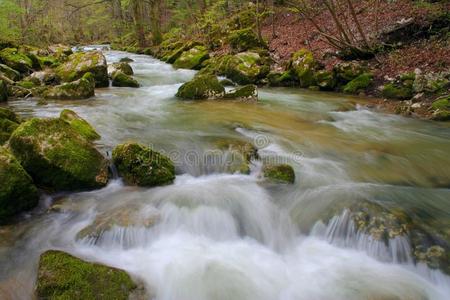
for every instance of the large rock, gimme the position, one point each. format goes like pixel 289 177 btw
pixel 120 79
pixel 81 63
pixel 120 66
pixel 303 65
pixel 17 191
pixel 140 165
pixel 82 88
pixel 201 87
pixel 16 60
pixel 10 72
pixel 8 123
pixel 45 77
pixel 57 156
pixel 3 91
pixel 245 93
pixel 63 276
pixel 359 84
pixel 79 124
pixel 244 39
pixel 441 109
pixel 244 68
pixel 192 59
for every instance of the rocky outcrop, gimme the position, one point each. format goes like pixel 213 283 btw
pixel 63 276
pixel 57 156
pixel 141 166
pixel 201 87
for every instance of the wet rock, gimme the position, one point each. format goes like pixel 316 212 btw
pixel 79 124
pixel 45 77
pixel 193 58
pixel 17 191
pixel 63 276
pixel 82 88
pixel 244 68
pixel 126 59
pixel 303 65
pixel 243 40
pixel 360 83
pixel 141 166
pixel 246 149
pixel 8 123
pixel 81 63
pixel 16 60
pixel 325 80
pixel 281 79
pixel 10 73
pixel 3 91
pixel 244 93
pixel 227 82
pixel 120 79
pixel 57 156
pixel 120 66
pixel 201 87
pixel 282 173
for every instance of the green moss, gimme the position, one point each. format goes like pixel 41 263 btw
pixel 360 83
pixel 303 66
pixel 123 80
pixel 80 63
pixel 441 115
pixel 17 191
pixel 140 165
pixel 281 79
pixel 393 91
pixel 26 84
pixel 243 68
pixel 244 148
pixel 6 129
pixel 123 67
pixel 10 72
pixel 243 40
pixel 325 80
pixel 192 59
pixel 79 124
pixel 48 61
pixel 201 87
pixel 57 156
pixel 18 61
pixel 3 91
pixel 441 104
pixel 63 276
pixel 80 89
pixel 279 173
pixel 247 92
pixel 6 113
pixel 347 71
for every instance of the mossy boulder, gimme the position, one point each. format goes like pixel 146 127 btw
pixel 442 103
pixel 246 93
pixel 57 156
pixel 281 79
pixel 48 62
pixel 243 68
pixel 397 91
pixel 201 87
pixel 282 173
pixel 325 80
pixel 347 71
pixel 121 66
pixel 45 77
pixel 126 59
pixel 60 52
pixel 244 39
pixel 16 60
pixel 10 72
pixel 81 63
pixel 303 65
pixel 192 59
pixel 431 83
pixel 82 88
pixel 441 109
pixel 63 276
pixel 358 84
pixel 3 91
pixel 141 166
pixel 120 79
pixel 8 123
pixel 17 191
pixel 79 124
pixel 227 82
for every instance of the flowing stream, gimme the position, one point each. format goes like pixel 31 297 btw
pixel 215 235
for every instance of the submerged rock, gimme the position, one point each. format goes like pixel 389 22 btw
pixel 57 156
pixel 16 60
pixel 201 87
pixel 192 58
pixel 82 88
pixel 279 173
pixel 63 276
pixel 245 93
pixel 17 191
pixel 126 59
pixel 79 124
pixel 239 154
pixel 140 165
pixel 120 79
pixel 81 63
pixel 9 121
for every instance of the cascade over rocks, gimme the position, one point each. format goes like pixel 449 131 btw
pixel 57 156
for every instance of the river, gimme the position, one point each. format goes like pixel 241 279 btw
pixel 215 235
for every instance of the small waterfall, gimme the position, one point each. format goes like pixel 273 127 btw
pixel 342 232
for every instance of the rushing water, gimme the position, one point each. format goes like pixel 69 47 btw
pixel 215 235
